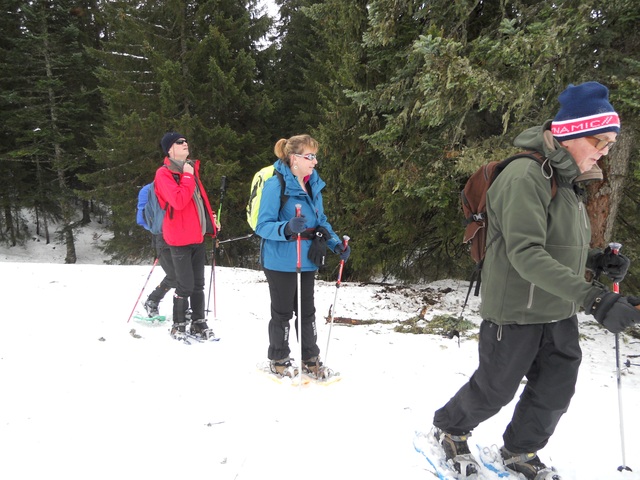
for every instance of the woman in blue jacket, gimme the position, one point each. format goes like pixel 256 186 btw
pixel 279 229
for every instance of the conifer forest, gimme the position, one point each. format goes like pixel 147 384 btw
pixel 406 98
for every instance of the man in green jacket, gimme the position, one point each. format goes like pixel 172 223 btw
pixel 533 285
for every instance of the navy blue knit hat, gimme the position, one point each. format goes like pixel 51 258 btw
pixel 584 111
pixel 168 140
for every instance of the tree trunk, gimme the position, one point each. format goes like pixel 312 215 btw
pixel 45 225
pixel 41 211
pixel 66 204
pixel 86 217
pixel 605 196
pixel 8 216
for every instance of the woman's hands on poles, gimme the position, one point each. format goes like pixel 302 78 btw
pixel 295 225
pixel 343 251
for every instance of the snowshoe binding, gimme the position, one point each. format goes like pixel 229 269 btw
pixel 457 452
pixel 152 308
pixel 314 368
pixel 283 368
pixel 528 465
pixel 179 331
pixel 201 330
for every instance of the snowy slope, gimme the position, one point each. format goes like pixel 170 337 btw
pixel 83 399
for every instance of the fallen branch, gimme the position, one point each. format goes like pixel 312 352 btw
pixel 355 321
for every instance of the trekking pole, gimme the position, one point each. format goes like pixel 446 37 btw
pixel 223 189
pixel 345 242
pixel 615 249
pixel 236 239
pixel 299 287
pixel 212 281
pixel 155 262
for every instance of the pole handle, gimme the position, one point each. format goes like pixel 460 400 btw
pixel 615 249
pixel 345 242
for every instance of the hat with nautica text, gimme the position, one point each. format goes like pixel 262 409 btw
pixel 584 111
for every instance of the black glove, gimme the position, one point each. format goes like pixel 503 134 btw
pixel 343 252
pixel 295 225
pixel 615 312
pixel 613 265
pixel 318 247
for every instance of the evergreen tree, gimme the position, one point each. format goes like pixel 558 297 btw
pixel 49 104
pixel 183 66
pixel 15 171
pixel 294 81
pixel 348 163
pixel 407 98
pixel 463 79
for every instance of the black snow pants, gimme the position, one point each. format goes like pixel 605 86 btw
pixel 188 262
pixel 284 303
pixel 166 262
pixel 548 355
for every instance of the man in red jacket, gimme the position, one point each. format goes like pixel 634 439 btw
pixel 187 220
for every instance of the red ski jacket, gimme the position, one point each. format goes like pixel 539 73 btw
pixel 181 224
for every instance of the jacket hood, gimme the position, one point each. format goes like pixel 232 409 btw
pixel 540 139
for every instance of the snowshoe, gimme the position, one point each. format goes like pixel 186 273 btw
pixel 529 465
pixel 457 452
pixel 145 319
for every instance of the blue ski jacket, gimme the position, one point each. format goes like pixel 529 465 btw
pixel 277 252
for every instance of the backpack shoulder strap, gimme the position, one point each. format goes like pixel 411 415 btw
pixel 283 197
pixel 538 157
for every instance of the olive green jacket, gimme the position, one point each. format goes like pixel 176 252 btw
pixel 538 247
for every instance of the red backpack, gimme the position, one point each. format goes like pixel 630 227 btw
pixel 474 206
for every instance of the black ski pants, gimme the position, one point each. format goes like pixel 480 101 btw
pixel 188 262
pixel 548 355
pixel 166 262
pixel 283 288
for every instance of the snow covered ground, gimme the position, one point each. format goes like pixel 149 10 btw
pixel 81 398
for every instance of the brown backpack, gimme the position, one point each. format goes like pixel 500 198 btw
pixel 474 207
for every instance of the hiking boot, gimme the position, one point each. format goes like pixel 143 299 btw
pixel 152 308
pixel 528 464
pixel 314 367
pixel 179 330
pixel 456 451
pixel 199 328
pixel 283 367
